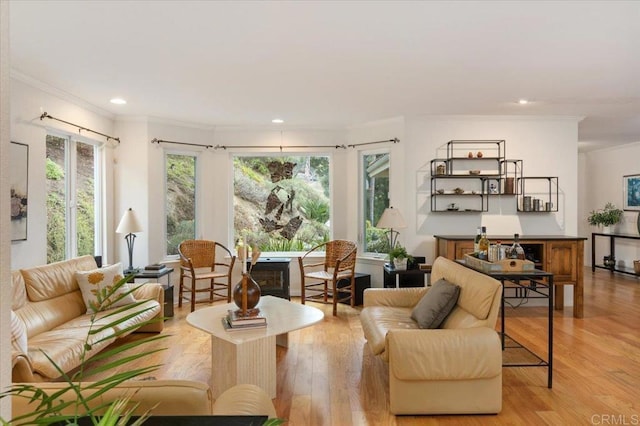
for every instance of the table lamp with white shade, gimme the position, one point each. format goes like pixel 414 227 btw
pixel 129 225
pixel 391 219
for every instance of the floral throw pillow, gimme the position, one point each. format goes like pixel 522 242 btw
pixel 99 290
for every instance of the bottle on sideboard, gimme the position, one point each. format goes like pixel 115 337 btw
pixel 516 251
pixel 476 241
pixel 483 245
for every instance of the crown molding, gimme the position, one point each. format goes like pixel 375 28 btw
pixel 58 93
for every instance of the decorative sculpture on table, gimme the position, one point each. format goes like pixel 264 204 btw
pixel 246 293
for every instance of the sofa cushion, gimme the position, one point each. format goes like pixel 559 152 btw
pixel 378 320
pixel 102 281
pixel 65 345
pixel 18 290
pixel 55 279
pixel 436 304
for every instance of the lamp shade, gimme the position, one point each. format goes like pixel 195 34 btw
pixel 391 219
pixel 129 223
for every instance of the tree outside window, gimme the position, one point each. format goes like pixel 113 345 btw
pixel 180 174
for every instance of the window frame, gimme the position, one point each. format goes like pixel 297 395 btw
pixel 362 231
pixel 71 188
pixel 196 155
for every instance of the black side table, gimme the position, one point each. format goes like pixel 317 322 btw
pixel 149 274
pixel 394 278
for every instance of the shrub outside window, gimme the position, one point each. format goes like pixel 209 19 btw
pixel 375 198
pixel 282 203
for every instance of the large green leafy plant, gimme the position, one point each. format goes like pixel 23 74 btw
pixel 608 216
pixel 49 408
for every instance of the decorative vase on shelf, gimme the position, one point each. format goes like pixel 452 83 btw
pixel 606 229
pixel 246 295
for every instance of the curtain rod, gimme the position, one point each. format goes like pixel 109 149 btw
pixel 394 140
pixel 80 128
pixel 159 141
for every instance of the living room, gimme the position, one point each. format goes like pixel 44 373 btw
pixel 550 144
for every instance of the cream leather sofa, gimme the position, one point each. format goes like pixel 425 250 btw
pixel 48 301
pixel 169 398
pixel 456 369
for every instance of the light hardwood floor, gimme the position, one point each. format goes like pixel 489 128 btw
pixel 328 376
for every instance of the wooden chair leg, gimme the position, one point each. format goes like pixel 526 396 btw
pixel 193 294
pixel 352 292
pixel 229 290
pixel 326 291
pixel 212 287
pixel 180 291
pixel 335 297
pixel 302 287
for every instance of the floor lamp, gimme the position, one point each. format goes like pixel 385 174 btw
pixel 129 225
pixel 391 219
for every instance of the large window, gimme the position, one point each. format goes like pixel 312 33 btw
pixel 180 174
pixel 282 203
pixel 375 198
pixel 73 198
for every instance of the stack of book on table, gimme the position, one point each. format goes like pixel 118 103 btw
pixel 155 267
pixel 233 321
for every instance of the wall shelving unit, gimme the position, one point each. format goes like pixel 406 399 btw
pixel 474 170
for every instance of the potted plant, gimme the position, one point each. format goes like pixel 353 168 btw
pixel 606 217
pixel 398 256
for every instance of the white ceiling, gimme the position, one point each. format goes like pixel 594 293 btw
pixel 339 63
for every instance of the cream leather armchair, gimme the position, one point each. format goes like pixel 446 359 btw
pixel 456 369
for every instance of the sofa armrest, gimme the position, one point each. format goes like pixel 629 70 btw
pixel 444 354
pixel 148 291
pixel 151 291
pixel 399 297
pixel 161 397
pixel 21 369
pixel 244 399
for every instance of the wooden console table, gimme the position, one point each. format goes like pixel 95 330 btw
pixel 561 255
pixel 612 251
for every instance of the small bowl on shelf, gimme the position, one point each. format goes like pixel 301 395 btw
pixel 458 191
pixel 440 191
pixel 474 172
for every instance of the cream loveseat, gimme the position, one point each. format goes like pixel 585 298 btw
pixel 49 315
pixel 455 369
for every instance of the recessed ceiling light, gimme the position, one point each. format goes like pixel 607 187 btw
pixel 277 121
pixel 118 101
pixel 523 101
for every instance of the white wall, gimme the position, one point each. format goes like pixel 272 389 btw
pixel 601 173
pixel 5 225
pixel 547 146
pixel 27 104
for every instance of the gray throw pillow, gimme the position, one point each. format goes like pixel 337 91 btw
pixel 436 304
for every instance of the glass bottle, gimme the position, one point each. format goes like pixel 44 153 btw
pixel 483 244
pixel 476 242
pixel 499 253
pixel 516 252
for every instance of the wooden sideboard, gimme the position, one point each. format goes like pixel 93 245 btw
pixel 561 255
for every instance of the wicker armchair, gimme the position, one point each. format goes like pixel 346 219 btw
pixel 339 263
pixel 205 260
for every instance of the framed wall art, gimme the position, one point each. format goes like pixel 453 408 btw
pixel 19 173
pixel 631 196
